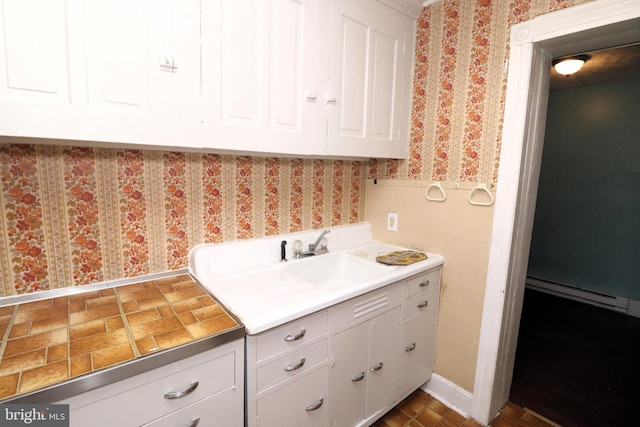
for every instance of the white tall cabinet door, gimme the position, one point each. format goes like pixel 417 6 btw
pixel 369 86
pixel 348 376
pixel 385 341
pixel 260 81
pixel 98 70
pixel 419 336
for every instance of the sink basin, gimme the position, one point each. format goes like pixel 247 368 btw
pixel 335 270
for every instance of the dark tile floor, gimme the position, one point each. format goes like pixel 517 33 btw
pixel 422 410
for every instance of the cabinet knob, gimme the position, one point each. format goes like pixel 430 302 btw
pixel 298 365
pixel 376 368
pixel 295 337
pixel 194 422
pixel 358 377
pixel 315 405
pixel 410 347
pixel 311 95
pixel 424 283
pixel 423 304
pixel 179 394
pixel 167 63
pixel 331 99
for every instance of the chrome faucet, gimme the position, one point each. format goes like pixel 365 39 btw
pixel 313 247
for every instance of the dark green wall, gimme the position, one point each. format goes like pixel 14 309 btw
pixel 587 224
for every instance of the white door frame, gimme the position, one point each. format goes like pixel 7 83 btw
pixel 590 26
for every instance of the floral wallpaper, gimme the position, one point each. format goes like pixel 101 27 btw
pixel 71 216
pixel 459 83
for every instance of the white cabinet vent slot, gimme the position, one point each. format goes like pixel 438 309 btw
pixel 365 307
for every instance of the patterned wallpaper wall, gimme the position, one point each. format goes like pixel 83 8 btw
pixel 71 216
pixel 460 77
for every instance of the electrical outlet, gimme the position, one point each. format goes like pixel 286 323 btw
pixel 392 221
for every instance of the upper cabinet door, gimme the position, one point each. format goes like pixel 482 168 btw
pixel 94 70
pixel 259 77
pixel 370 80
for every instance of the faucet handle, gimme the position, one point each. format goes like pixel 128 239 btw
pixel 297 248
pixel 283 251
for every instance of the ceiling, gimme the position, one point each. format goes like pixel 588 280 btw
pixel 605 66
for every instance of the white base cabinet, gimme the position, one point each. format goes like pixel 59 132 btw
pixel 213 383
pixel 419 319
pixel 348 365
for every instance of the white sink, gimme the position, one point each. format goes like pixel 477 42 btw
pixel 335 270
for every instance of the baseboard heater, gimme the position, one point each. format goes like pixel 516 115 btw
pixel 611 302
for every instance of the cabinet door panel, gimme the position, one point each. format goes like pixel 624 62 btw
pixel 385 62
pixel 240 41
pixel 384 355
pixel 348 376
pixel 370 76
pixel 285 99
pixel 355 39
pixel 117 49
pixel 257 65
pixel 416 365
pixel 33 65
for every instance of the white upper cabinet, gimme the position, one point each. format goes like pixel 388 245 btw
pixel 274 77
pixel 370 80
pixel 259 76
pixel 98 70
pixel 307 77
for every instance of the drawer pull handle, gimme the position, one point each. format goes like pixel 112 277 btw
pixel 410 347
pixel 195 422
pixel 424 284
pixel 298 365
pixel 376 368
pixel 358 377
pixel 314 406
pixel 179 394
pixel 423 304
pixel 295 337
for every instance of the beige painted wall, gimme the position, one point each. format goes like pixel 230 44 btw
pixel 459 231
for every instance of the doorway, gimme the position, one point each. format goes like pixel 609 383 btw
pixel 590 26
pixel 576 361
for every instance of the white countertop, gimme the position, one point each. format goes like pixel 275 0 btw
pixel 265 294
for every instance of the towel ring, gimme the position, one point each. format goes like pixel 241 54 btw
pixel 438 186
pixel 483 188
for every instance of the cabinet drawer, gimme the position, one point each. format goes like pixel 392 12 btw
pixel 420 304
pixel 138 405
pixel 291 365
pixel 366 306
pixel 218 410
pixel 426 282
pixel 291 335
pixel 300 403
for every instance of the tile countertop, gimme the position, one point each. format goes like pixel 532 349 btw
pixel 50 341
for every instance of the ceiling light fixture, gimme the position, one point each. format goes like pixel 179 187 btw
pixel 569 65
